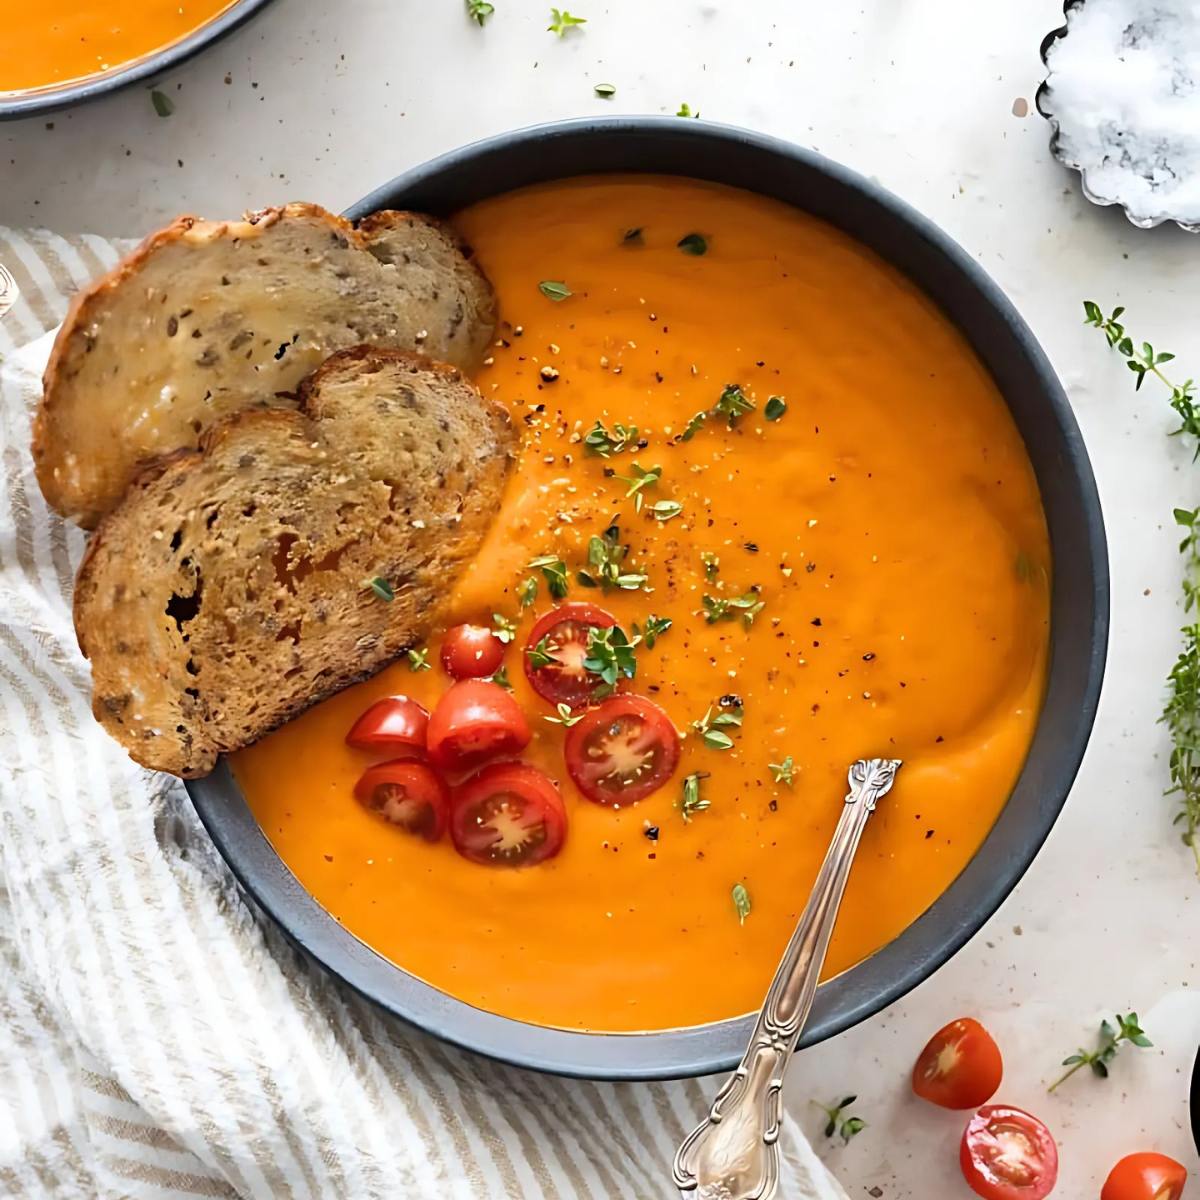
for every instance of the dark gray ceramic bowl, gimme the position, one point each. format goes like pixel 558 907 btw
pixel 43 100
pixel 1079 611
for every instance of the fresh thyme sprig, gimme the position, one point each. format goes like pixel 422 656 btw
pixel 1181 714
pixel 837 1124
pixel 1146 361
pixel 1127 1030
pixel 479 10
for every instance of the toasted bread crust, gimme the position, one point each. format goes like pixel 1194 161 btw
pixel 224 595
pixel 82 480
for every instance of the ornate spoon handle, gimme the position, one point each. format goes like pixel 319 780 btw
pixel 734 1154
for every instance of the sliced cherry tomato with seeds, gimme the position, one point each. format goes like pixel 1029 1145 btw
pixel 473 721
pixel 471 652
pixel 394 724
pixel 1145 1176
pixel 1007 1154
pixel 960 1067
pixel 556 649
pixel 622 750
pixel 406 793
pixel 509 814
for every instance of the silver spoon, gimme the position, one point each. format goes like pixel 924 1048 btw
pixel 734 1154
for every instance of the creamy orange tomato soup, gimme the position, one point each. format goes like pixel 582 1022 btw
pixel 890 522
pixel 60 40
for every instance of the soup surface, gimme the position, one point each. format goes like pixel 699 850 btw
pixel 888 521
pixel 55 42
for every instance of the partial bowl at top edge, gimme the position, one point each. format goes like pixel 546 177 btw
pixel 38 101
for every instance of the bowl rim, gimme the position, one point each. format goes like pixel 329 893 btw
pixel 948 923
pixel 33 102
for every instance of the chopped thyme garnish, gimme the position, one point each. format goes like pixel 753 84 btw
pixel 741 902
pixel 654 629
pixel 505 629
pixel 692 802
pixel 527 591
pixel 554 571
pixel 633 237
pixel 733 403
pixel 722 608
pixel 712 728
pixel 479 10
pixel 606 555
pixel 542 655
pixel 163 104
pixel 602 441
pixel 418 660
pixel 695 244
pixel 783 772
pixel 776 406
pixel 566 718
pixel 560 22
pixel 381 588
pixel 610 655
pixel 500 678
pixel 554 289
pixel 686 111
pixel 693 427
pixel 639 479
pixel 712 564
pixel 664 510
pixel 846 1127
pixel 605 91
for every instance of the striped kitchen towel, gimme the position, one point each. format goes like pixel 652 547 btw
pixel 157 1039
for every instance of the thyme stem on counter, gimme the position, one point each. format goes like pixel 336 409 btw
pixel 1181 715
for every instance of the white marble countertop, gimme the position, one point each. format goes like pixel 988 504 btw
pixel 323 102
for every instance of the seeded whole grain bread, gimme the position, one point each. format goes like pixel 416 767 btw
pixel 208 317
pixel 225 593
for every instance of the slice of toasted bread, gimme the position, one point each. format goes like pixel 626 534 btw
pixel 206 318
pixel 229 590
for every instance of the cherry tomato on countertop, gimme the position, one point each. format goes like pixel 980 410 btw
pixel 622 750
pixel 471 652
pixel 473 721
pixel 1145 1177
pixel 960 1067
pixel 394 724
pixel 406 793
pixel 509 814
pixel 562 635
pixel 1007 1154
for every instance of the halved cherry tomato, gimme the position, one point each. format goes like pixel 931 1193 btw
pixel 563 633
pixel 406 793
pixel 394 723
pixel 1007 1154
pixel 622 750
pixel 510 814
pixel 475 720
pixel 471 651
pixel 1145 1177
pixel 961 1066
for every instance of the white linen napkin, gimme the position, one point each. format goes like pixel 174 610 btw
pixel 157 1039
